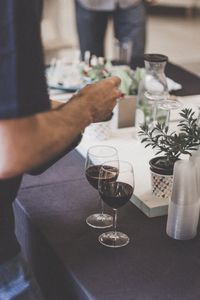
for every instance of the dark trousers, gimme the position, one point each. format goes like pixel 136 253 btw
pixel 129 25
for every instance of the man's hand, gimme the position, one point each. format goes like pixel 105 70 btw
pixel 31 142
pixel 100 98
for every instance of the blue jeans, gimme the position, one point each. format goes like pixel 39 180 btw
pixel 17 282
pixel 129 25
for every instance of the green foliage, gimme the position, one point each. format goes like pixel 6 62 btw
pixel 96 72
pixel 172 145
pixel 101 69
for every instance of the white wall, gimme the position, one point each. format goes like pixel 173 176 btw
pixel 181 3
pixel 58 25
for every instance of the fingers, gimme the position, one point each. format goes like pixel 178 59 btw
pixel 108 83
pixel 117 94
pixel 114 80
pixel 112 84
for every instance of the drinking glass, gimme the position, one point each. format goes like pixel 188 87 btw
pixel 116 185
pixel 123 51
pixel 96 156
pixel 169 105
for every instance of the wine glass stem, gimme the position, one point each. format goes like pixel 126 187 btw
pixel 101 205
pixel 167 118
pixel 154 112
pixel 115 220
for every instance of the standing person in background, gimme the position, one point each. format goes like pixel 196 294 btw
pixel 32 133
pixel 129 17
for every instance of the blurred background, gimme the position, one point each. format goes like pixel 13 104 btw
pixel 173 29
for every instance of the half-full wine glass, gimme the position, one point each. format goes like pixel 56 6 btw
pixel 96 156
pixel 116 185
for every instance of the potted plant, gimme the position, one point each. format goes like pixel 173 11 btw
pixel 172 146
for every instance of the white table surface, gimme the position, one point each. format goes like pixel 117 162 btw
pixel 130 149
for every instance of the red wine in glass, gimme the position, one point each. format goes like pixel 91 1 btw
pixel 115 191
pixel 96 156
pixel 117 195
pixel 92 174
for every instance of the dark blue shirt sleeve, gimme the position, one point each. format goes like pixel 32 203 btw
pixel 23 89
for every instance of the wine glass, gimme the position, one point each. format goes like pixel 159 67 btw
pixel 96 156
pixel 155 102
pixel 116 185
pixel 169 105
pixel 123 51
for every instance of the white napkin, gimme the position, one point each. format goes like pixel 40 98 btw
pixel 173 85
pixel 192 101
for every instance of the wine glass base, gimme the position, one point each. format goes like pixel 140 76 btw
pixel 100 221
pixel 114 239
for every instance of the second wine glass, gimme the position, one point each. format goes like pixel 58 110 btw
pixel 96 156
pixel 116 186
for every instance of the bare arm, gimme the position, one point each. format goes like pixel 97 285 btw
pixel 29 142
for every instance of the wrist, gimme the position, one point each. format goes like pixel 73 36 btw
pixel 78 113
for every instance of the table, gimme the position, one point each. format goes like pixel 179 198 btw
pixel 70 263
pixel 67 259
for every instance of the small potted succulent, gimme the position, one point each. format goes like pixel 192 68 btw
pixel 172 145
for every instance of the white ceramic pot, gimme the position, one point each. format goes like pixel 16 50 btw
pixel 161 178
pixel 161 185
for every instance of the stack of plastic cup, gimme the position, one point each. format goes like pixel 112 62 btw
pixel 183 212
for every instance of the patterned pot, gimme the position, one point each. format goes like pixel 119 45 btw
pixel 161 179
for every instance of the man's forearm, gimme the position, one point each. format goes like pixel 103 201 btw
pixel 29 142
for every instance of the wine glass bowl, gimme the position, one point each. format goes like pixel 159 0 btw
pixel 116 185
pixel 96 156
pixel 168 105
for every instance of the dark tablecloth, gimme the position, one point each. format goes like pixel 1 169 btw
pixel 66 256
pixel 71 264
